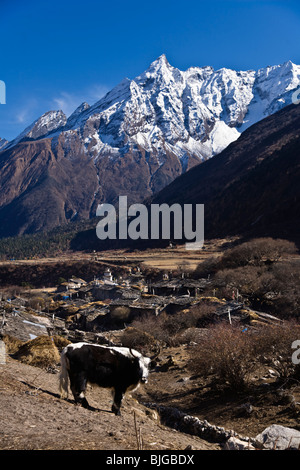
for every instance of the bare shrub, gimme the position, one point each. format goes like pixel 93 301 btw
pixel 154 326
pixel 275 287
pixel 247 280
pixel 285 285
pixel 168 328
pixel 120 313
pixel 231 355
pixel 226 353
pixel 136 338
pixel 199 315
pixel 257 252
pixel 9 292
pixel 207 267
pixel 273 346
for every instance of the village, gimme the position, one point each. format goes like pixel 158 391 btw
pixel 94 310
pixel 129 304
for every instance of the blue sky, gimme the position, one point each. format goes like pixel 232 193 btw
pixel 54 55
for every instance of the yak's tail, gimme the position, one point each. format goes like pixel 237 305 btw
pixel 64 375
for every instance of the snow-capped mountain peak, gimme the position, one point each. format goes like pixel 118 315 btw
pixel 44 125
pixel 134 141
pixel 74 116
pixel 159 73
pixel 191 114
pixel 159 64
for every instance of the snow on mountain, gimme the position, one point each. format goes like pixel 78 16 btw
pixel 3 142
pixel 272 90
pixel 44 125
pixel 195 112
pixel 74 116
pixel 134 141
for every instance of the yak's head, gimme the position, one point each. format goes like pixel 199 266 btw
pixel 144 364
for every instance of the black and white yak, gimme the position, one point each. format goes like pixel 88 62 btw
pixel 119 368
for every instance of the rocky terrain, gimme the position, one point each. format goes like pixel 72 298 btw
pixel 179 408
pixel 33 417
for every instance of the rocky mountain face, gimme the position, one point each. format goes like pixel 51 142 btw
pixel 250 189
pixel 136 140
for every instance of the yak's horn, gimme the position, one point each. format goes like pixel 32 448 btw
pixel 155 355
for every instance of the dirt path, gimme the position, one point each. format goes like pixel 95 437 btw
pixel 33 417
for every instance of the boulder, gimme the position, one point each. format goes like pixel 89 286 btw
pixel 277 437
pixel 234 443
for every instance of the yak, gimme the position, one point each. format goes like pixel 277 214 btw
pixel 119 368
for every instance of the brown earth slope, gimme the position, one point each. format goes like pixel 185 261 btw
pixel 33 417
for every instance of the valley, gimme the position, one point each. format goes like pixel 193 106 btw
pixel 20 270
pixel 142 300
pixel 150 228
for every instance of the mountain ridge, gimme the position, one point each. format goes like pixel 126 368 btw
pixel 238 91
pixel 134 141
pixel 251 188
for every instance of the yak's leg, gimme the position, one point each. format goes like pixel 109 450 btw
pixel 118 396
pixel 78 386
